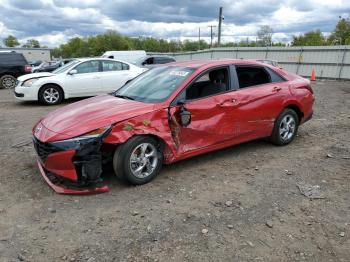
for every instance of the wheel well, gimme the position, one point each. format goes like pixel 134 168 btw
pixel 51 85
pixel 161 142
pixel 297 110
pixel 11 74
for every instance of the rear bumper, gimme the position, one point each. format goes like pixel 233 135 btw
pixel 59 187
pixel 309 117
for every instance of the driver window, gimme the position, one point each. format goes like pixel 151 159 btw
pixel 88 67
pixel 212 82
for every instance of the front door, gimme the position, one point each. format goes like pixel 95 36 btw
pixel 208 102
pixel 86 81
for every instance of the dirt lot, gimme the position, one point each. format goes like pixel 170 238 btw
pixel 238 204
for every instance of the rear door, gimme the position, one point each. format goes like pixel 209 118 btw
pixel 259 99
pixel 86 81
pixel 114 75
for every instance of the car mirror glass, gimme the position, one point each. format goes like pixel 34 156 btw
pixel 73 72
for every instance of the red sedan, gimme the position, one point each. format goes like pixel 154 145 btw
pixel 167 114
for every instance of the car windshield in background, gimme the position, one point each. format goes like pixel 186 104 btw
pixel 140 60
pixel 155 85
pixel 65 67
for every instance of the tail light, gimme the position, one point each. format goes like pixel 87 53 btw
pixel 27 69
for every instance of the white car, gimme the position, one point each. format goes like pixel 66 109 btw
pixel 79 78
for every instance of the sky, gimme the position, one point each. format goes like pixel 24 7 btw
pixel 54 22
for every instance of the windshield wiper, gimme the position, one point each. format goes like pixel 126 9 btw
pixel 125 97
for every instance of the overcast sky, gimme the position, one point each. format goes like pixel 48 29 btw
pixel 53 22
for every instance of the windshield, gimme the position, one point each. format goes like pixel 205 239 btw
pixel 155 85
pixel 65 67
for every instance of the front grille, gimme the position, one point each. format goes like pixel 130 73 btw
pixel 43 149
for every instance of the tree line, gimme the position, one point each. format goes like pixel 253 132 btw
pixel 112 40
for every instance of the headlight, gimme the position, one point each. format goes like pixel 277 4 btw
pixel 77 142
pixel 30 82
pixel 96 133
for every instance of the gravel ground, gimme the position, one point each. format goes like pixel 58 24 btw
pixel 237 204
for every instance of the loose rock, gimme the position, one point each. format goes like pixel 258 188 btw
pixel 204 231
pixel 342 234
pixel 269 224
pixel 228 203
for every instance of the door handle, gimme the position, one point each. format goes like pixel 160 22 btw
pixel 277 89
pixel 96 77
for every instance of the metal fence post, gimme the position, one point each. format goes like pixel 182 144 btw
pixel 342 63
pixel 299 59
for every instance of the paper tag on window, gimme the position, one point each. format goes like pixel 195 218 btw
pixel 179 73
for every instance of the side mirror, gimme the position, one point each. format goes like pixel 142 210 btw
pixel 185 116
pixel 72 72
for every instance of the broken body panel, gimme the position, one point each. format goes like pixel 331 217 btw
pixel 218 121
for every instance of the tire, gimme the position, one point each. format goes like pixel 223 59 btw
pixel 50 95
pixel 131 164
pixel 8 81
pixel 286 128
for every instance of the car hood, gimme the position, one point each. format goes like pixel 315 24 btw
pixel 34 75
pixel 87 115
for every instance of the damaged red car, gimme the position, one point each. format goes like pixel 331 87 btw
pixel 167 114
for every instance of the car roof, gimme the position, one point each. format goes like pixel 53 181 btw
pixel 210 63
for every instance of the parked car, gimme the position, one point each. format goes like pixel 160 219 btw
pixel 167 114
pixel 52 65
pixel 129 55
pixel 36 64
pixel 12 65
pixel 270 62
pixel 149 61
pixel 79 78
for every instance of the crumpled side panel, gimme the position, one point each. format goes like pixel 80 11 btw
pixel 154 123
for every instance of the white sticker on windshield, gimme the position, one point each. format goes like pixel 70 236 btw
pixel 179 73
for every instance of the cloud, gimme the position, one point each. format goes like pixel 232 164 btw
pixel 53 22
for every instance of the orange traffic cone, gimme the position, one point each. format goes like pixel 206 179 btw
pixel 313 75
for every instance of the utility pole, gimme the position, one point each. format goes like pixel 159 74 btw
pixel 211 34
pixel 220 22
pixel 199 38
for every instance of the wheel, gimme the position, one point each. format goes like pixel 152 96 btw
pixel 50 95
pixel 286 127
pixel 8 81
pixel 139 160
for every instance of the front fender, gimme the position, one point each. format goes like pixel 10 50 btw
pixel 154 123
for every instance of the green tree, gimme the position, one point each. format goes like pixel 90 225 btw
pixel 32 43
pixel 11 41
pixel 341 33
pixel 312 38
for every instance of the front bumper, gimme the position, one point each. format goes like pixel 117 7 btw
pixel 61 188
pixel 26 93
pixel 71 167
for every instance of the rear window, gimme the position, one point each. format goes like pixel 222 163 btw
pixel 12 58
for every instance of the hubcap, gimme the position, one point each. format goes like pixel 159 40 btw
pixel 51 95
pixel 287 127
pixel 143 160
pixel 9 82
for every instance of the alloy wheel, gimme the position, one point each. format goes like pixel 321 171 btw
pixel 9 82
pixel 287 127
pixel 143 160
pixel 51 95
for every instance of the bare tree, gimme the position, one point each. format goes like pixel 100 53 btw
pixel 265 35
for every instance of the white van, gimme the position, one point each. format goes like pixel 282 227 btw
pixel 128 56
